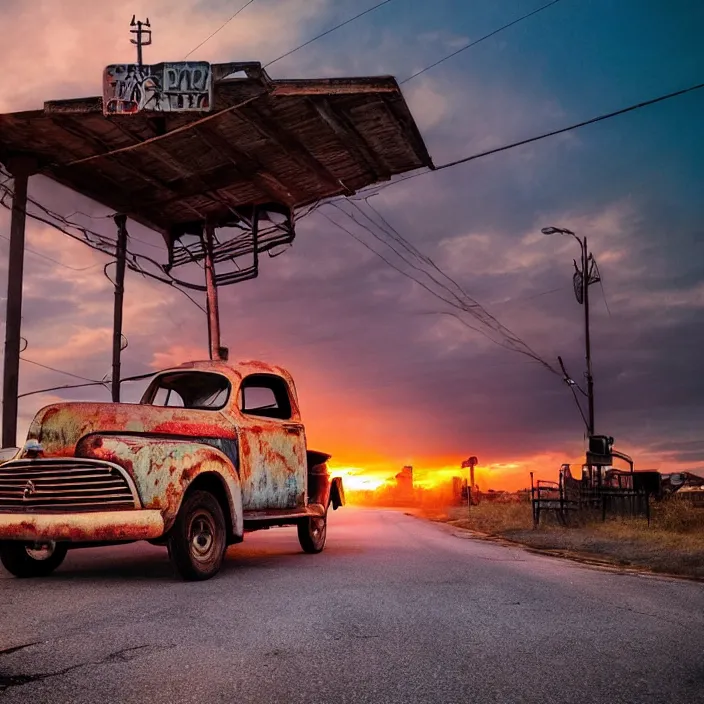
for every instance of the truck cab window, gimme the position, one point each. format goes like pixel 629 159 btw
pixel 194 390
pixel 265 395
pixel 168 398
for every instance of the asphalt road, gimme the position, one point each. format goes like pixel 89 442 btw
pixel 394 610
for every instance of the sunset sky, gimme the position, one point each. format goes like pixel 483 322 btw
pixel 384 379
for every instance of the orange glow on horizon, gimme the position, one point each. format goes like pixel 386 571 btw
pixel 508 476
pixel 500 476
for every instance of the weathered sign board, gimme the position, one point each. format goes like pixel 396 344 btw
pixel 166 87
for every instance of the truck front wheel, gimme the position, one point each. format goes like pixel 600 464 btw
pixel 198 539
pixel 312 533
pixel 30 559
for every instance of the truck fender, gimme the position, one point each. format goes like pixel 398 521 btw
pixel 163 469
pixel 337 493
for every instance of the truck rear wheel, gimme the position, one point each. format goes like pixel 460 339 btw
pixel 198 539
pixel 312 533
pixel 31 559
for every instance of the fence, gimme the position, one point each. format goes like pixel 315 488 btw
pixel 570 496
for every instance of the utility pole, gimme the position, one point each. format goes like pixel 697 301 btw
pixel 585 275
pixel 587 265
pixel 120 221
pixel 21 169
pixel 140 41
pixel 211 293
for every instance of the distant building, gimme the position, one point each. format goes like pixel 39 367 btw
pixel 404 484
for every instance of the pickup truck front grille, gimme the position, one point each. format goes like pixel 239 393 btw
pixel 65 486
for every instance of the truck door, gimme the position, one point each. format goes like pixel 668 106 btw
pixel 272 441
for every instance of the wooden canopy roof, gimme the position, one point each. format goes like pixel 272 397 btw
pixel 291 142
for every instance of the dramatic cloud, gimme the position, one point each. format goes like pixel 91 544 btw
pixel 386 377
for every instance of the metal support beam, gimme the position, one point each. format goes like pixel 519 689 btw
pixel 120 221
pixel 21 169
pixel 211 293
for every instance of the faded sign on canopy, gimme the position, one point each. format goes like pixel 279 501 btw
pixel 166 87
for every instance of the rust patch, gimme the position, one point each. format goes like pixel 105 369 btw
pixel 60 427
pixel 103 526
pixel 163 469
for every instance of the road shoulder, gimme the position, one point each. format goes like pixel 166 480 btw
pixel 565 544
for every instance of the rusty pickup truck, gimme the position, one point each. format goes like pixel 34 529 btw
pixel 212 451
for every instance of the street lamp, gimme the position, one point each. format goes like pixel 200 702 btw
pixel 585 275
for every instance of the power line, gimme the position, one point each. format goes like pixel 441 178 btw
pixel 482 332
pixel 464 303
pixel 102 243
pixel 81 386
pixel 393 232
pixel 396 268
pixel 58 371
pixel 593 120
pixel 110 217
pixel 572 384
pixel 545 135
pixel 603 290
pixel 90 217
pixel 55 261
pixel 220 28
pixel 60 388
pixel 328 31
pixel 521 299
pixel 478 41
pixel 458 302
pixel 399 254
pixel 603 293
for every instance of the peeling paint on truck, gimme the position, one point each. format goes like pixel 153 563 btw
pixel 250 454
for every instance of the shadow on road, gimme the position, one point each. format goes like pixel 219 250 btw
pixel 141 563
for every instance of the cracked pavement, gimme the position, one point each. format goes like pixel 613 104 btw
pixel 394 610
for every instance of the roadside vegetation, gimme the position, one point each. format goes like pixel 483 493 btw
pixel 673 542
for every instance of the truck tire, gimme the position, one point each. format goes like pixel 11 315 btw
pixel 312 533
pixel 198 538
pixel 25 560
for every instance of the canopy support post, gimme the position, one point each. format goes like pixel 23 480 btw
pixel 211 295
pixel 121 254
pixel 21 169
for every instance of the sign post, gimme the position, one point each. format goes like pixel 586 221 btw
pixel 471 463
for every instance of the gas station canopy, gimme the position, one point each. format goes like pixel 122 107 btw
pixel 261 141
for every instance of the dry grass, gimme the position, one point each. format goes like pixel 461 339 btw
pixel 673 543
pixel 677 516
pixel 494 519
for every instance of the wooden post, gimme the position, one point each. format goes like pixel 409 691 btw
pixel 562 495
pixel 21 169
pixel 211 294
pixel 469 497
pixel 120 221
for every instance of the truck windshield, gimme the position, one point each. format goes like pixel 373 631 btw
pixel 196 390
